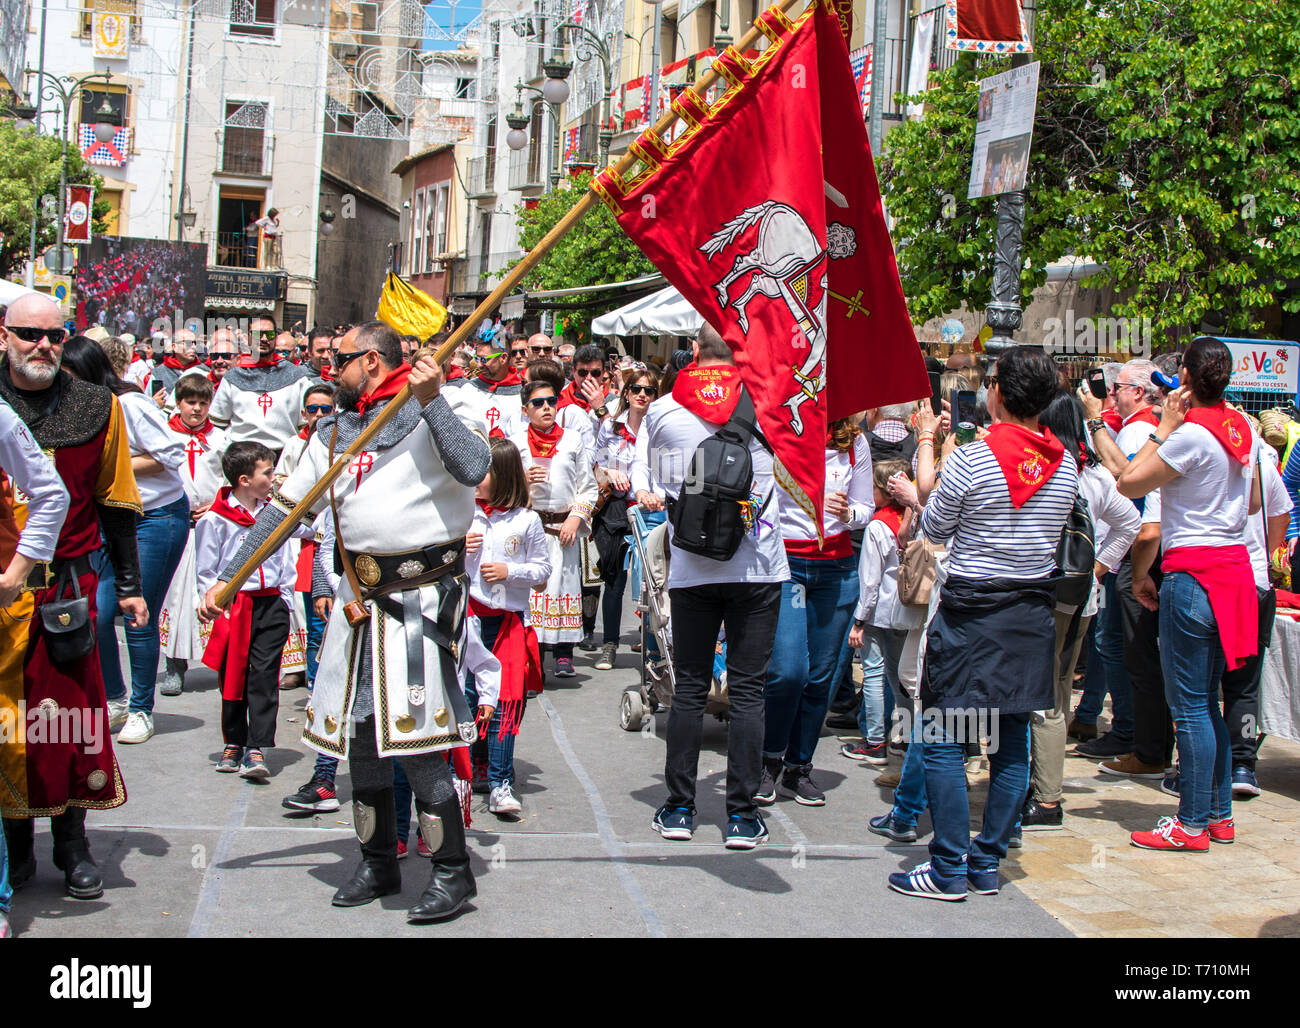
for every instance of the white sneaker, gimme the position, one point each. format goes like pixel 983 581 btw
pixel 139 728
pixel 502 801
pixel 117 712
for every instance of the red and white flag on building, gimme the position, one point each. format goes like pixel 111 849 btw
pixel 764 212
pixel 76 226
pixel 986 26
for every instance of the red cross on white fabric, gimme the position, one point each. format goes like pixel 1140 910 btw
pixel 192 449
pixel 265 402
pixel 493 416
pixel 364 462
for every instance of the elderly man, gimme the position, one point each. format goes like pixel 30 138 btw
pixel 183 359
pixel 260 398
pixel 54 673
pixel 565 352
pixel 223 349
pixel 390 669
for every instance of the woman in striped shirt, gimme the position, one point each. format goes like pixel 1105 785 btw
pixel 1000 506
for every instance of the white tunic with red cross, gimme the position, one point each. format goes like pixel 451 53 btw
pixel 266 416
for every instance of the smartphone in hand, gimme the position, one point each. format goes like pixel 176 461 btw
pixel 1096 378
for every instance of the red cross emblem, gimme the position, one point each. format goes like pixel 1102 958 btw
pixel 364 462
pixel 193 448
pixel 493 416
pixel 264 401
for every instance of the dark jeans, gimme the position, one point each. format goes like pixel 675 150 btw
pixel 1106 671
pixel 251 720
pixel 816 608
pixel 499 753
pixel 945 785
pixel 749 613
pixel 315 630
pixel 1153 728
pixel 161 535
pixel 612 605
pixel 1241 690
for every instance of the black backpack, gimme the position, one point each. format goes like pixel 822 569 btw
pixel 707 517
pixel 1076 556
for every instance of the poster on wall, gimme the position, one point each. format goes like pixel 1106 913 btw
pixel 1004 130
pixel 110 35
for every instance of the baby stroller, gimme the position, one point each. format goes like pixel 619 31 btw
pixel 647 575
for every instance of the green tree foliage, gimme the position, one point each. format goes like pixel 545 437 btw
pixel 594 252
pixel 29 169
pixel 1166 148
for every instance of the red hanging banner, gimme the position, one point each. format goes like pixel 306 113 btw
pixel 76 226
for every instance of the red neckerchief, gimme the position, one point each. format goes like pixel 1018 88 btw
pixel 327 373
pixel 569 397
pixel 712 392
pixel 487 508
pixel 521 663
pixel 891 517
pixel 1027 459
pixel 1146 414
pixel 392 384
pixel 250 361
pixel 201 433
pixel 544 444
pixel 171 362
pixel 625 433
pixel 304 432
pixel 221 505
pixel 512 379
pixel 1227 426
pixel 455 372
pixel 1113 421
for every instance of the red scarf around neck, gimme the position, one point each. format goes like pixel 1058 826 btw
pixel 1227 426
pixel 1146 414
pixel 250 360
pixel 891 517
pixel 1113 421
pixel 711 392
pixel 304 432
pixel 222 506
pixel 1027 459
pixel 201 433
pixel 512 379
pixel 172 362
pixel 544 444
pixel 392 384
pixel 487 508
pixel 455 372
pixel 570 397
pixel 626 433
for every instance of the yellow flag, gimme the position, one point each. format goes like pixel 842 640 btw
pixel 408 310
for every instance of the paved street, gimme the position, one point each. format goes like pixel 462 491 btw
pixel 194 853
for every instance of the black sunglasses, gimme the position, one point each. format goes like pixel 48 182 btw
pixel 56 336
pixel 648 390
pixel 542 349
pixel 227 357
pixel 518 353
pixel 319 408
pixel 543 401
pixel 584 372
pixel 341 360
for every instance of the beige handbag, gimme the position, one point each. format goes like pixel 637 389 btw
pixel 917 572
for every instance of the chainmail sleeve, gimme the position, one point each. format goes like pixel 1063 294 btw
pixel 268 518
pixel 465 455
pixel 320 582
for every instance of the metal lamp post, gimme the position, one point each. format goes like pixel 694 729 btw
pixel 517 137
pixel 588 46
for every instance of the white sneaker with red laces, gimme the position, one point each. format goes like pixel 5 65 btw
pixel 1169 834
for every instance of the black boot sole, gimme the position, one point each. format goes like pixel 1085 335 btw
pixel 336 902
pixel 84 894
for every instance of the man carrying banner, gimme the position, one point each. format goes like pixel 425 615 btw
pixel 389 678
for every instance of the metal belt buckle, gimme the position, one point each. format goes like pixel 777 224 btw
pixel 42 568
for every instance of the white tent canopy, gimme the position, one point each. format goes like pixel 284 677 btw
pixel 10 291
pixel 661 313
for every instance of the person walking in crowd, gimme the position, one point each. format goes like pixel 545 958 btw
pixel 615 452
pixel 557 466
pixel 582 406
pixel 742 593
pixel 245 645
pixel 816 609
pixel 401 519
pixel 183 359
pixel 83 426
pixel 24 471
pixel 508 560
pixel 1202 457
pixel 156 458
pixel 1002 502
pixel 259 399
pixel 319 354
pixel 518 354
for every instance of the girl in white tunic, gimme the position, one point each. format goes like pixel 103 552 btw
pixel 563 491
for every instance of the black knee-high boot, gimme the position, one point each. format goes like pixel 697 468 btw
pixel 20 838
pixel 452 882
pixel 378 874
pixel 81 877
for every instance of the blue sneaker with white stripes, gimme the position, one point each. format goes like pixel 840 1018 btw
pixel 676 823
pixel 745 833
pixel 926 882
pixel 982 883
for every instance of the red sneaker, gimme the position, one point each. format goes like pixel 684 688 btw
pixel 401 850
pixel 1222 831
pixel 1169 835
pixel 421 849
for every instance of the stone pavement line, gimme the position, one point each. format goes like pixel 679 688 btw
pixel 210 890
pixel 603 825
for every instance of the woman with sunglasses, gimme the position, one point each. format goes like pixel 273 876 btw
pixel 563 490
pixel 615 449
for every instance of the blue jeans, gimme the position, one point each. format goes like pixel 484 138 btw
pixel 951 849
pixel 1192 660
pixel 882 649
pixel 1106 668
pixel 909 797
pixel 812 622
pixel 315 629
pixel 500 752
pixel 326 769
pixel 402 796
pixel 6 892
pixel 161 535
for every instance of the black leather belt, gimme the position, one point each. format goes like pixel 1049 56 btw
pixel 42 576
pixel 384 573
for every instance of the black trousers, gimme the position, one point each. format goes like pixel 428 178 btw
pixel 749 613
pixel 1153 727
pixel 1241 690
pixel 251 721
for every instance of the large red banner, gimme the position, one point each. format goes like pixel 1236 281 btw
pixel 76 228
pixel 765 214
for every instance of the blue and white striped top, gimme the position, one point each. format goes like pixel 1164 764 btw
pixel 989 537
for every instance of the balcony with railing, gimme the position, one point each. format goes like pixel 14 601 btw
pixel 479 273
pixel 244 152
pixel 526 173
pixel 480 179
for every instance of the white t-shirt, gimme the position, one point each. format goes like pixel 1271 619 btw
pixel 1209 502
pixel 149 436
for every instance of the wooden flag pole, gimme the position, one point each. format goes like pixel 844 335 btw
pixel 280 534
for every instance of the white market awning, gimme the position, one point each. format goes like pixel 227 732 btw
pixel 661 313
